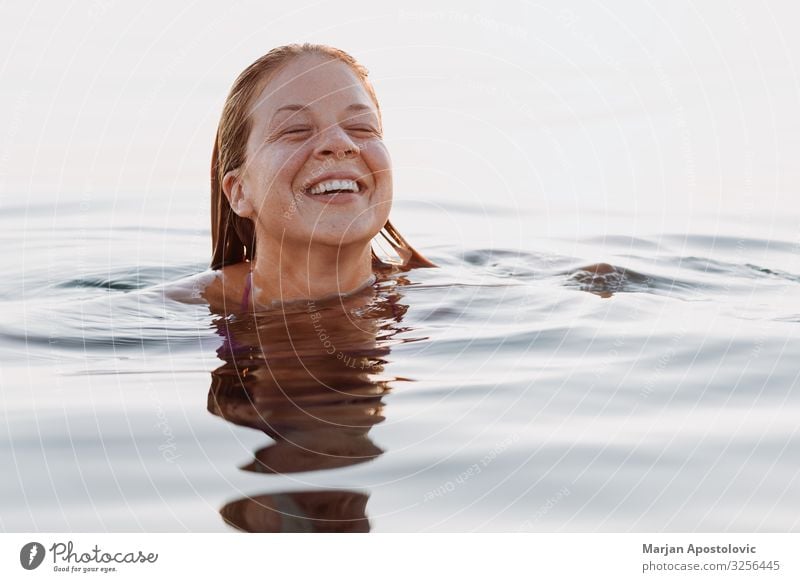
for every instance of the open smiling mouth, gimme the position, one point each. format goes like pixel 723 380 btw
pixel 331 188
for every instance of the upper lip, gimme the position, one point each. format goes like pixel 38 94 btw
pixel 355 176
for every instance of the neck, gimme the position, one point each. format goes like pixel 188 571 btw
pixel 285 271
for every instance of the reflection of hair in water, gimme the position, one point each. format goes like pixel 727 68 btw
pixel 233 237
pixel 313 426
pixel 312 378
pixel 316 402
pixel 313 451
pixel 318 511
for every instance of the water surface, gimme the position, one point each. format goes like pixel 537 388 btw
pixel 507 390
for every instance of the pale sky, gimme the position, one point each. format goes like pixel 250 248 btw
pixel 665 107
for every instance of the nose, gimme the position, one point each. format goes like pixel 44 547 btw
pixel 334 141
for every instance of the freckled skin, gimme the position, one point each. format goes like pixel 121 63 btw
pixel 308 247
pixel 286 152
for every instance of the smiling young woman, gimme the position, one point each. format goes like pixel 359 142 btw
pixel 301 182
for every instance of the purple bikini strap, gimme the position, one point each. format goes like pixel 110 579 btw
pixel 246 295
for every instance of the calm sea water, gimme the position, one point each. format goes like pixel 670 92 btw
pixel 506 390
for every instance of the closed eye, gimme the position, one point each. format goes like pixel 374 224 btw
pixel 364 129
pixel 296 130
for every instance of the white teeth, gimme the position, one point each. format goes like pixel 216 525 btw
pixel 329 185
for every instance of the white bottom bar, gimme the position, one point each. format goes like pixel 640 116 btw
pixel 331 557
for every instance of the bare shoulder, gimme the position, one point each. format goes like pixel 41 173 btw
pixel 226 287
pixel 215 287
pixel 191 289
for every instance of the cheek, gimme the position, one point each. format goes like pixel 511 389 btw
pixel 274 173
pixel 378 156
pixel 380 164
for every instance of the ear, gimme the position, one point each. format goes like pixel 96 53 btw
pixel 233 187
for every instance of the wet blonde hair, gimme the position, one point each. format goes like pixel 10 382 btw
pixel 233 237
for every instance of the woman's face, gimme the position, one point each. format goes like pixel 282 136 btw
pixel 313 128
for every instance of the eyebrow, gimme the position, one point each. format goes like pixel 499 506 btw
pixel 297 107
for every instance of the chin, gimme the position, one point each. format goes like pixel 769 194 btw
pixel 362 234
pixel 339 240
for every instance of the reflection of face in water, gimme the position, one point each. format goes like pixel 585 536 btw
pixel 311 377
